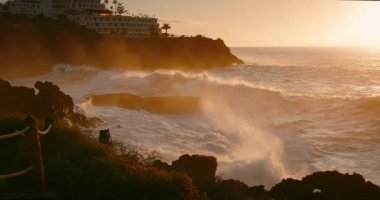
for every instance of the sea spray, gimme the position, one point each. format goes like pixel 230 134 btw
pixel 256 156
pixel 318 116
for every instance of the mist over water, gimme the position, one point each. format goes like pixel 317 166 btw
pixel 287 113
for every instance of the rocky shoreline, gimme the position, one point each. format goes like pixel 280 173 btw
pixel 319 185
pixel 31 46
pixel 72 153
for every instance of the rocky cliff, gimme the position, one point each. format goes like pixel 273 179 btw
pixel 30 46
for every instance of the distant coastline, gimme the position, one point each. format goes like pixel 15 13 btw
pixel 31 45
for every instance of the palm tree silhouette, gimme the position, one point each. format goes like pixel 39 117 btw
pixel 166 27
pixel 114 3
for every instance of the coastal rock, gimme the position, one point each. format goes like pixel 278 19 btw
pixel 327 185
pixel 31 45
pixel 318 186
pixel 197 164
pixel 49 102
pixel 201 169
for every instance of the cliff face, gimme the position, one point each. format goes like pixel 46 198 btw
pixel 30 46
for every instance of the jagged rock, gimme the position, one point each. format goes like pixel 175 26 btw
pixel 200 168
pixel 318 186
pixel 49 102
pixel 327 185
pixel 205 165
pixel 52 101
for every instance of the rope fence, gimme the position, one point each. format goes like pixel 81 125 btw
pixel 15 174
pixel 33 147
pixel 15 134
pixel 46 131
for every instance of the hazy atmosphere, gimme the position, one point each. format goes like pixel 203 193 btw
pixel 190 99
pixel 271 22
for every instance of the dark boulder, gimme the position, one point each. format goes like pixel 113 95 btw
pixel 327 185
pixel 49 102
pixel 229 189
pixel 199 164
pixel 52 101
pixel 200 168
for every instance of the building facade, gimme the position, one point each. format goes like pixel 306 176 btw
pixel 24 7
pixel 89 13
pixel 78 6
pixel 130 26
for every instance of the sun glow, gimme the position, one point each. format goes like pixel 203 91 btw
pixel 363 25
pixel 369 26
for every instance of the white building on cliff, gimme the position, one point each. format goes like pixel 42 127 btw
pixel 89 13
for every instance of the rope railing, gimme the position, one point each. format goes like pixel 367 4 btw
pixel 46 131
pixel 15 134
pixel 20 173
pixel 32 141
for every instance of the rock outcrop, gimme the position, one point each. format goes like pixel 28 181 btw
pixel 326 185
pixel 201 169
pixel 48 102
pixel 318 186
pixel 31 45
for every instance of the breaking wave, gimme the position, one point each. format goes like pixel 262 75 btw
pixel 260 134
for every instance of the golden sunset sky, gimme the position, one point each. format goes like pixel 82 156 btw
pixel 269 22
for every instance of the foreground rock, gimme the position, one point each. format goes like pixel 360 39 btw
pixel 161 105
pixel 318 186
pixel 327 185
pixel 49 102
pixel 200 168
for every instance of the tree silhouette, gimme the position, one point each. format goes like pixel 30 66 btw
pixel 166 27
pixel 120 9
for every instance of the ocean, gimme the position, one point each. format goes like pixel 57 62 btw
pixel 286 113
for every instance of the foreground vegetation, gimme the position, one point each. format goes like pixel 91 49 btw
pixel 78 167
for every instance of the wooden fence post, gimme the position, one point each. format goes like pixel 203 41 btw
pixel 33 147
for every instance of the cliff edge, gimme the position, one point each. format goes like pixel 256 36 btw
pixel 30 46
